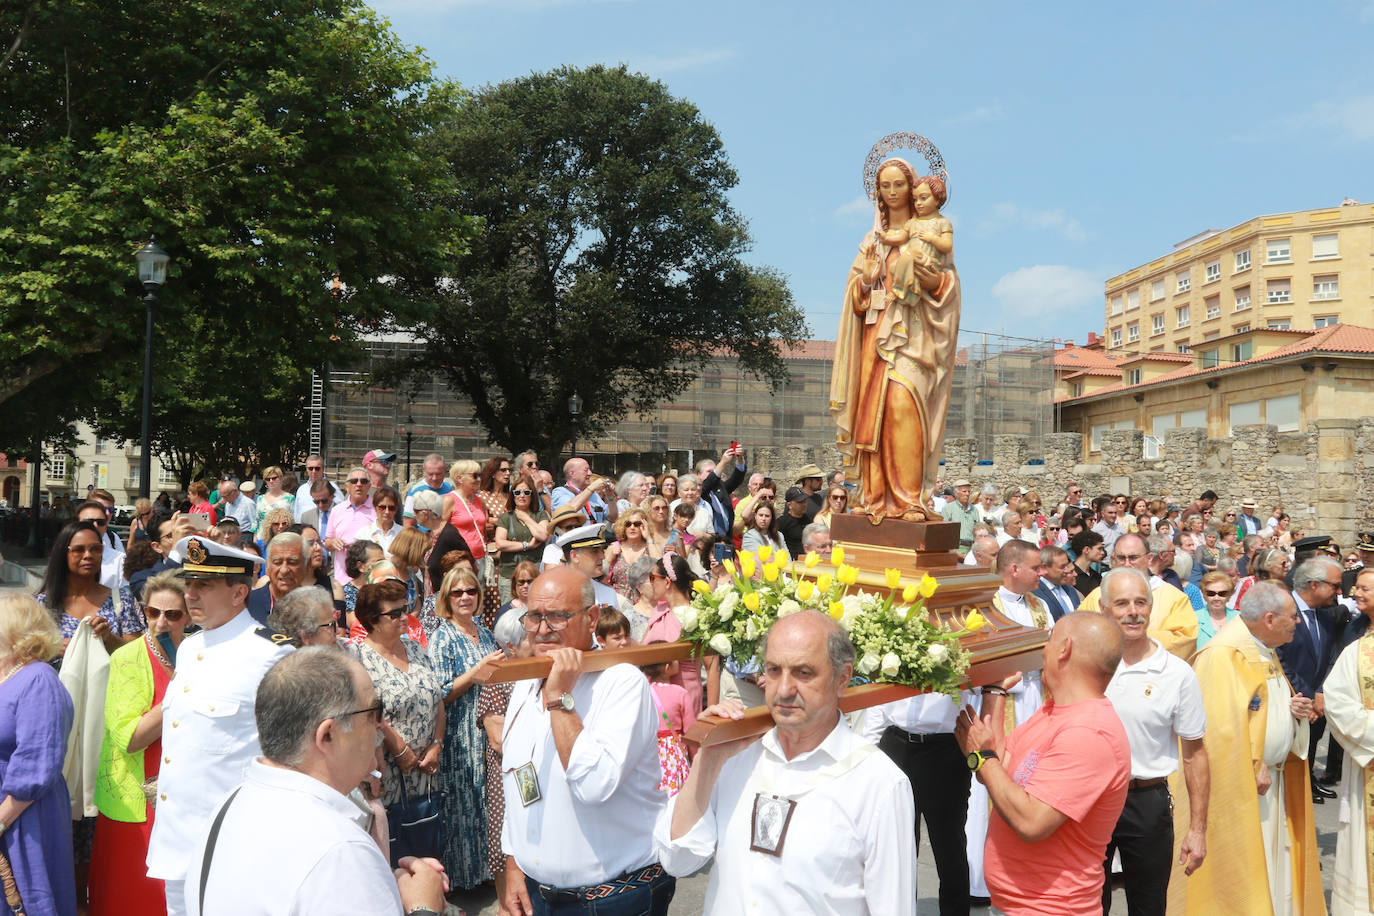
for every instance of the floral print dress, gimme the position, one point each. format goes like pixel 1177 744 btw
pixel 412 699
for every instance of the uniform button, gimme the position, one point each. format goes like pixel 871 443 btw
pixel 186 690
pixel 166 759
pixel 212 709
pixel 200 655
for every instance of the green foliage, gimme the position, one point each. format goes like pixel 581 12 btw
pixel 270 147
pixel 610 264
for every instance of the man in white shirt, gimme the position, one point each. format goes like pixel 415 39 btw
pixel 209 733
pixel 435 479
pixel 810 819
pixel 1157 697
pixel 234 503
pixel 1108 526
pixel 579 763
pixel 314 471
pixel 317 715
pixel 584 549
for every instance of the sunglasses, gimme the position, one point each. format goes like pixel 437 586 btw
pixel 171 614
pixel 272 478
pixel 385 507
pixel 522 492
pixel 354 481
pixel 523 581
pixel 395 613
pixel 531 464
pixel 1225 593
pixel 327 501
pixel 469 592
pixel 634 524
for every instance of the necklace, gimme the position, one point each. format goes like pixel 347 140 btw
pixel 14 670
pixel 157 651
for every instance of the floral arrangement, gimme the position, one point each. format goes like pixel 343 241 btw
pixel 895 640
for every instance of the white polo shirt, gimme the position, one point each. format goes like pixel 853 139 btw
pixel 1159 701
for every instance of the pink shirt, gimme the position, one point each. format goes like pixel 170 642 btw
pixel 347 522
pixel 1077 760
pixel 676 705
pixel 664 626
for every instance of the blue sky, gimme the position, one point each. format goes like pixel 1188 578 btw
pixel 1082 139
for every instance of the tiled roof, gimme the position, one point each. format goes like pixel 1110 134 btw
pixel 1071 357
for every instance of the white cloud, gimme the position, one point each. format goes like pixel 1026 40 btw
pixel 1046 290
pixel 856 207
pixel 1006 216
pixel 692 60
pixel 979 115
pixel 1353 118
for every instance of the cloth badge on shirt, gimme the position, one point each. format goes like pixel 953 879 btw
pixel 1026 768
pixel 1255 703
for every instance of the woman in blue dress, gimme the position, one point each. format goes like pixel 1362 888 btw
pixel 457 649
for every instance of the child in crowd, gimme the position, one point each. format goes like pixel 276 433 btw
pixel 675 716
pixel 681 540
pixel 613 629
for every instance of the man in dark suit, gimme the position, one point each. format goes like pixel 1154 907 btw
pixel 163 531
pixel 715 490
pixel 1056 586
pixel 1308 657
pixel 322 495
pixel 1365 545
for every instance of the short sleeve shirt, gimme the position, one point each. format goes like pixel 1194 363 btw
pixel 1159 701
pixel 1077 760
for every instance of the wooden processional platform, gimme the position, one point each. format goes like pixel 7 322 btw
pixel 915 548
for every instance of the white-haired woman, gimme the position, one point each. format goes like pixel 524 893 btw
pixel 631 489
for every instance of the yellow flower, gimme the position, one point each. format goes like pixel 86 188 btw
pixel 729 565
pixel 836 555
pixel 747 565
pixel 770 572
pixel 701 587
pixel 824 581
pixel 928 585
pixel 975 621
pixel 836 610
pixel 805 589
pixel 812 559
pixel 751 601
pixel 765 552
pixel 893 577
pixel 847 574
pixel 911 593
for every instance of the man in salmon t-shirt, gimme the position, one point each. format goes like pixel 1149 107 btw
pixel 1058 782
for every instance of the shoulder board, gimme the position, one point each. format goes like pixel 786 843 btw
pixel 272 636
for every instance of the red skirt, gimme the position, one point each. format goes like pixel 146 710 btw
pixel 119 884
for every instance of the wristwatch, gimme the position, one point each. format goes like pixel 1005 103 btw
pixel 564 703
pixel 976 759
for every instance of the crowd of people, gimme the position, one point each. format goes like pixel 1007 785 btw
pixel 194 661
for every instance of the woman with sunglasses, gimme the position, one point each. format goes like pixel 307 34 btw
pixel 459 647
pixel 630 545
pixel 519 583
pixel 386 502
pixel 131 754
pixel 1216 590
pixel 276 495
pixel 72 591
pixel 522 529
pixel 412 695
pixel 836 503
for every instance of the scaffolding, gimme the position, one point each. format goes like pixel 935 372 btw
pixel 1003 385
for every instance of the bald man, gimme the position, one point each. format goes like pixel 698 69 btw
pixel 1058 782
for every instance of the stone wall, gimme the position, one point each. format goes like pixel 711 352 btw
pixel 1323 477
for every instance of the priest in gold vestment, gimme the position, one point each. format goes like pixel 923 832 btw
pixel 1262 843
pixel 894 354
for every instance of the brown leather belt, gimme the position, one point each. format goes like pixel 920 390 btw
pixel 1147 783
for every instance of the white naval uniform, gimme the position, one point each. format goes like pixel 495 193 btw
pixel 209 736
pixel 849 849
pixel 320 860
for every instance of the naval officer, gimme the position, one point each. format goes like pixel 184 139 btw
pixel 209 733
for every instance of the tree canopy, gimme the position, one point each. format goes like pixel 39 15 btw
pixel 610 264
pixel 270 147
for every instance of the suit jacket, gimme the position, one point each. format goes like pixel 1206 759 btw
pixel 311 517
pixel 715 493
pixel 1305 663
pixel 1048 596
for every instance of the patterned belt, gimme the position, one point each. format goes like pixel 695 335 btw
pixel 618 885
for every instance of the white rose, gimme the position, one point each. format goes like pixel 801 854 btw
pixel 727 607
pixel 750 631
pixel 788 607
pixel 901 613
pixel 720 644
pixel 938 652
pixel 868 664
pixel 690 618
pixel 891 665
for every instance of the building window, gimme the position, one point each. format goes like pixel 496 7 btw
pixel 1278 291
pixel 1116 337
pixel 1213 304
pixel 1324 246
pixel 1164 422
pixel 55 466
pixel 1280 324
pixel 1181 316
pixel 1207 359
pixel 1095 439
pixel 1116 305
pixel 1214 272
pixel 711 379
pixel 1327 287
pixel 710 422
pixel 1184 348
pixel 166 477
pixel 1077 389
pixel 1278 251
pixel 1133 300
pixel 1240 329
pixel 1133 331
pixel 1246 413
pixel 1185 282
pixel 102 445
pixel 1156 324
pixel 1325 321
pixel 1240 351
pixel 1132 376
pixel 1242 260
pixel 1242 298
pixel 1156 290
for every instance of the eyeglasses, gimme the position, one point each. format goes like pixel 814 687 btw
pixel 378 713
pixel 385 507
pixel 332 626
pixel 556 622
pixel 1224 593
pixel 85 549
pixel 522 492
pixel 354 481
pixel 171 614
pixel 470 592
pixel 1128 558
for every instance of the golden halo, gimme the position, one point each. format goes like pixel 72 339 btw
pixel 903 140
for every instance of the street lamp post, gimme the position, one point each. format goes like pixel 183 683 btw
pixel 152 273
pixel 574 408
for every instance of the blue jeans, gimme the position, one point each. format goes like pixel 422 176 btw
pixel 649 899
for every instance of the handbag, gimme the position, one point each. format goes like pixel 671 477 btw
pixel 416 825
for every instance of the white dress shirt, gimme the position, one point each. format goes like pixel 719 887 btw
pixel 209 735
pixel 594 821
pixel 927 714
pixel 303 503
pixel 850 847
pixel 381 538
pixel 1159 701
pixel 290 846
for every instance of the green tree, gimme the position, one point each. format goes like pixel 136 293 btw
pixel 270 146
pixel 611 261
